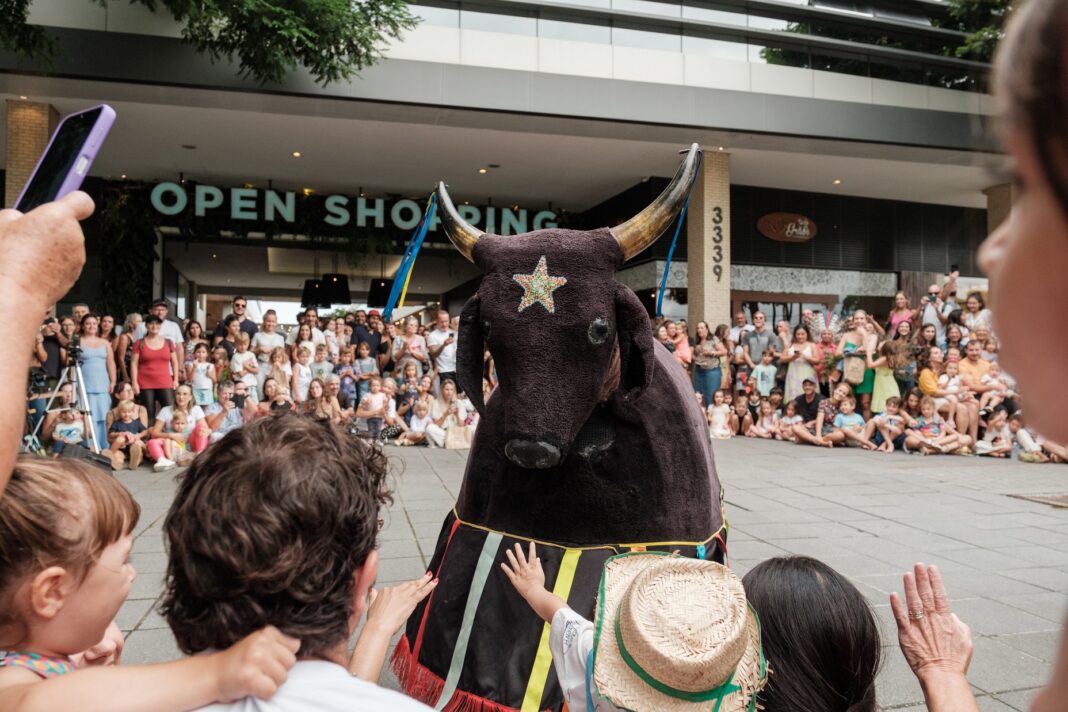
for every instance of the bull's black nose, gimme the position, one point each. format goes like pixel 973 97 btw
pixel 532 454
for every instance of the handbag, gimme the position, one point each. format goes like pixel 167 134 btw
pixel 853 368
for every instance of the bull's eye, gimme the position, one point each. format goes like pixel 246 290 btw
pixel 485 328
pixel 598 331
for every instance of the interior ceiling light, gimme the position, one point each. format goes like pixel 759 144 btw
pixel 297 154
pixel 123 176
pixel 837 181
pixel 23 97
pixel 482 170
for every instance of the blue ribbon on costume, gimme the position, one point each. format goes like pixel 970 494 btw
pixel 674 241
pixel 404 271
pixel 701 552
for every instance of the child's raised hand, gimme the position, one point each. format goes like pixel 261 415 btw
pixel 525 571
pixel 390 607
pixel 256 665
pixel 107 652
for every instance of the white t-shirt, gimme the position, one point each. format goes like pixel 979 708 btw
pixel 264 340
pixel 419 424
pixel 166 414
pixel 446 360
pixel 168 330
pixel 317 337
pixel 735 333
pixel 239 362
pixel 319 686
pixel 570 641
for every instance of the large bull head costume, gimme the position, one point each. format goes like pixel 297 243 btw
pixel 592 444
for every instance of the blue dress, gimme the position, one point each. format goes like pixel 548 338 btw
pixel 97 382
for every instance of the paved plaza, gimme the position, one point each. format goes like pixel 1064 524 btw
pixel 1004 560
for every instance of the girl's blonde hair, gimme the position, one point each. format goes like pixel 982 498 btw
pixel 278 351
pixel 56 513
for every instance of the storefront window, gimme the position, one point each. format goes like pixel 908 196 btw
pixel 574 31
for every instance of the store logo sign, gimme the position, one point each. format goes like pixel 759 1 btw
pixel 786 227
pixel 251 204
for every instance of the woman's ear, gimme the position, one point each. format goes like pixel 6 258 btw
pixel 470 352
pixel 49 590
pixel 635 336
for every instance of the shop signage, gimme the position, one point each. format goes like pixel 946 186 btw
pixel 252 204
pixel 786 227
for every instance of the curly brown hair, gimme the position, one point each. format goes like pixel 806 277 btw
pixel 269 526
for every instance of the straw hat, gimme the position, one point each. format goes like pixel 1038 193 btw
pixel 689 638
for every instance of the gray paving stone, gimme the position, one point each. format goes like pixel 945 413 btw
pixel 150 646
pixel 132 612
pixel 1018 700
pixel 997 667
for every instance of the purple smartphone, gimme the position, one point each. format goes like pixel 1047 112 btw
pixel 66 161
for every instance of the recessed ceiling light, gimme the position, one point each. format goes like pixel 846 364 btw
pixel 836 181
pixel 23 97
pixel 189 147
pixel 720 148
pixel 482 170
pixel 297 154
pixel 307 191
pixel 213 255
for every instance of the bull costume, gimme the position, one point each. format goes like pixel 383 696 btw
pixel 592 445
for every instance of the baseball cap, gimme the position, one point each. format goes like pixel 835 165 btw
pixel 809 379
pixel 373 312
pixel 159 303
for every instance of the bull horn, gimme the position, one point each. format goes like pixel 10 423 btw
pixel 463 234
pixel 644 228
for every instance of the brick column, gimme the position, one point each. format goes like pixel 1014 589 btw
pixel 28 128
pixel 708 247
pixel 999 200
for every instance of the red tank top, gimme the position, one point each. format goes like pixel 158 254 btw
pixel 154 365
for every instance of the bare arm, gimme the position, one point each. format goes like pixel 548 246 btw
pixel 389 609
pixel 526 575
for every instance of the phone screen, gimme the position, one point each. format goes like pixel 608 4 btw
pixel 57 163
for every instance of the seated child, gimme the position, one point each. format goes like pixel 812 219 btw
pixel 851 424
pixel 767 425
pixel 929 433
pixel 69 429
pixel 887 429
pixel 312 494
pixel 416 433
pixel 642 600
pixel 171 448
pixel 997 441
pixel 60 593
pixel 741 419
pixel 718 416
pixel 126 437
pixel 789 419
pixel 1001 390
pixel 1026 445
pixel 776 399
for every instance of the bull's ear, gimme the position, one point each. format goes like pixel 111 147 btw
pixel 636 358
pixel 470 350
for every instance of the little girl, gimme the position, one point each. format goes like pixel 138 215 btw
pixel 344 369
pixel 65 571
pixel 718 417
pixel 69 430
pixel 367 369
pixel 244 365
pixel 767 424
pixel 221 360
pixel 170 448
pixel 201 373
pixel 930 433
pixel 416 434
pixel 302 375
pixel 279 368
pixel 789 419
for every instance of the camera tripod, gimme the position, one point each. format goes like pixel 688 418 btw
pixel 72 373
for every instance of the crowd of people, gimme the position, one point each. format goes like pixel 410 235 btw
pixel 163 391
pixel 921 380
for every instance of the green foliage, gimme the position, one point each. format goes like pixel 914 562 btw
pixel 983 21
pixel 332 39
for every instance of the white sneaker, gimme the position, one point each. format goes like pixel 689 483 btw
pixel 163 464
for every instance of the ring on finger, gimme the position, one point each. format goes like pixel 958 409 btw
pixel 917 614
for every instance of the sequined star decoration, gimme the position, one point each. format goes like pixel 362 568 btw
pixel 538 287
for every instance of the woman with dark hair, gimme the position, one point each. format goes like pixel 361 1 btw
pixel 1026 258
pixel 802 357
pixel 725 376
pixel 124 345
pixel 954 338
pixel 926 337
pixel 98 370
pixel 194 334
pixel 707 352
pixel 976 316
pixel 961 414
pixel 107 329
pixel 819 634
pixel 154 367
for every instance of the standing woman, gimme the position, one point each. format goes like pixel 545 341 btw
pixel 411 347
pixel 802 357
pixel 976 316
pixel 264 342
pixel 858 339
pixel 902 313
pixel 726 377
pixel 124 345
pixel 107 329
pixel 98 370
pixel 154 368
pixel 707 372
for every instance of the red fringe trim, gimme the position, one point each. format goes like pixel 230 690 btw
pixel 425 686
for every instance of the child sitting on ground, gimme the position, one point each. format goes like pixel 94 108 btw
pixel 851 424
pixel 658 600
pixel 127 436
pixel 718 416
pixel 930 433
pixel 887 429
pixel 416 433
pixel 65 570
pixel 997 441
pixel 69 429
pixel 741 419
pixel 767 424
pixel 789 419
pixel 1027 446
